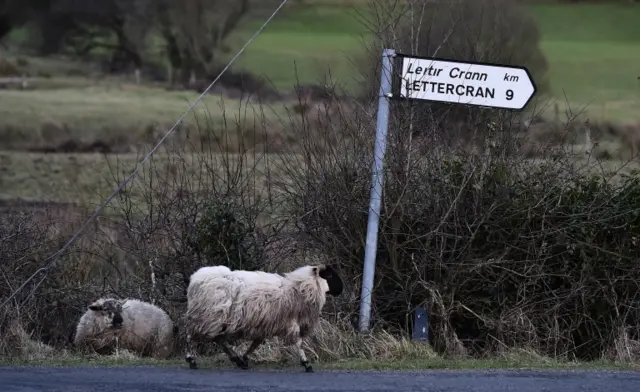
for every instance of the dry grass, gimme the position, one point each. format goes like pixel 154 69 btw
pixel 612 143
pixel 332 342
pixel 333 347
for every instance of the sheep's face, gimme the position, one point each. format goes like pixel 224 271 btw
pixel 329 274
pixel 110 310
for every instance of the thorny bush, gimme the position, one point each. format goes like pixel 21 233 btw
pixel 49 305
pixel 223 234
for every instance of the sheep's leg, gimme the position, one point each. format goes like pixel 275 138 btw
pixel 303 357
pixel 163 350
pixel 254 345
pixel 295 335
pixel 190 355
pixel 233 356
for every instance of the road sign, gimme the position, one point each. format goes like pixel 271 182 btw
pixel 463 82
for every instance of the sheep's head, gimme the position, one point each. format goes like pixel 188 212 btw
pixel 334 282
pixel 110 310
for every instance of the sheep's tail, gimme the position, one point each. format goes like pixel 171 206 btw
pixel 206 273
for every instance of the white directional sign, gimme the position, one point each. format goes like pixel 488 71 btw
pixel 467 83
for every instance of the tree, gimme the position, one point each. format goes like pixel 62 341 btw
pixel 14 13
pixel 118 25
pixel 195 32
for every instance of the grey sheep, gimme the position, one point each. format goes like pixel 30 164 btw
pixel 130 323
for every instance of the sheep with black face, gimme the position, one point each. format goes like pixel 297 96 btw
pixel 132 324
pixel 226 306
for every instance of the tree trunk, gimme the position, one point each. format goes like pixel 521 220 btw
pixel 170 74
pixel 174 58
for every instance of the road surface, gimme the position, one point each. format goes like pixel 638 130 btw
pixel 158 379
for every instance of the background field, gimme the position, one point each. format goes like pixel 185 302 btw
pixel 593 51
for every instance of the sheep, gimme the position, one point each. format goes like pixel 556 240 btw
pixel 130 323
pixel 226 306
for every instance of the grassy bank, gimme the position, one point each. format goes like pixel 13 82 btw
pixel 434 363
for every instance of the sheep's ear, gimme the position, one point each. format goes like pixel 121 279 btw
pixel 95 307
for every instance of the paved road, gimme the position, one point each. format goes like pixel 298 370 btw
pixel 156 379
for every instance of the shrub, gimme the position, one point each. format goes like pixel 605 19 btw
pixel 8 68
pixel 225 234
pixel 502 250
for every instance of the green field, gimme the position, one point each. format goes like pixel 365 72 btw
pixel 309 41
pixel 593 51
pixel 116 114
pixel 594 56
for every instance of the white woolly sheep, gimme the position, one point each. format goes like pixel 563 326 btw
pixel 130 323
pixel 226 306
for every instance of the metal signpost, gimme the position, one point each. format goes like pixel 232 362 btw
pixel 439 80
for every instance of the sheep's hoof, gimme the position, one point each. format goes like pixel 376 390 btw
pixel 192 363
pixel 242 363
pixel 307 367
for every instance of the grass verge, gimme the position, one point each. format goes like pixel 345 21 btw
pixel 334 346
pixel 89 178
pixel 353 364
